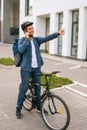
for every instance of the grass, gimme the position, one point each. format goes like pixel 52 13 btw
pixel 56 81
pixel 7 61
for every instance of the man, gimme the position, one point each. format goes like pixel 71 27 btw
pixel 31 62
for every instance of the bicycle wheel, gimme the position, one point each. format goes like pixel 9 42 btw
pixel 58 116
pixel 27 104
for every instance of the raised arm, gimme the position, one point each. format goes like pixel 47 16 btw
pixel 50 37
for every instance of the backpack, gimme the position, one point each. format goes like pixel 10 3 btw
pixel 16 54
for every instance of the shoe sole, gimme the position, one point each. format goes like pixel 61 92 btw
pixel 38 111
pixel 18 117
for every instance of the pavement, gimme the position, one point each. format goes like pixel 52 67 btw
pixel 75 95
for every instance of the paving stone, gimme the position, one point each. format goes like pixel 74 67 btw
pixel 9 86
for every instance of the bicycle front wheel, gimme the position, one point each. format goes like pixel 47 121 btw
pixel 58 116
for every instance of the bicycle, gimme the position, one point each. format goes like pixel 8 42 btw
pixel 58 117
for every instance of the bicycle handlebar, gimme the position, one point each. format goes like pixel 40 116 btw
pixel 55 72
pixel 47 74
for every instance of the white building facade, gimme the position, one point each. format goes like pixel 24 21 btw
pixel 48 16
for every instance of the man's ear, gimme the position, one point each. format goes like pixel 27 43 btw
pixel 25 30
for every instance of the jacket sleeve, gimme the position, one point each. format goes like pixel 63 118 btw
pixel 47 38
pixel 23 44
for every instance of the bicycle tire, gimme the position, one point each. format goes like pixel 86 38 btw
pixel 27 104
pixel 61 118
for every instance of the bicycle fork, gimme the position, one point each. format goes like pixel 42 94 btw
pixel 52 106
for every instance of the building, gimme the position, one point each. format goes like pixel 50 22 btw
pixel 50 16
pixel 9 20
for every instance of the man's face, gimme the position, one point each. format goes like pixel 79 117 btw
pixel 30 30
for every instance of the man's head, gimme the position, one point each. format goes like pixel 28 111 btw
pixel 27 27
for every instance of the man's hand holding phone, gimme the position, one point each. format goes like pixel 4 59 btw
pixel 27 34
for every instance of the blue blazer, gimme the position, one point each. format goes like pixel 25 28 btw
pixel 24 47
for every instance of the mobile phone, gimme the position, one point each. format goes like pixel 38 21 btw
pixel 30 35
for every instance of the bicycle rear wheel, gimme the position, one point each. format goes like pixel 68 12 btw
pixel 27 104
pixel 58 116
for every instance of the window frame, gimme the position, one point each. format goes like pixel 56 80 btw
pixel 28 8
pixel 74 23
pixel 47 21
pixel 59 51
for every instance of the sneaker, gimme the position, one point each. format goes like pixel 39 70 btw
pixel 38 109
pixel 18 113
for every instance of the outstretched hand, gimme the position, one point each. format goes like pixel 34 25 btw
pixel 61 32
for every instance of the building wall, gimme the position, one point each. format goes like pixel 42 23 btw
pixel 14 20
pixel 0 20
pixel 9 20
pixel 50 8
pixel 23 17
pixel 5 20
pixel 0 30
pixel 0 9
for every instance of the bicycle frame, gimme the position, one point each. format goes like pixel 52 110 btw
pixel 51 105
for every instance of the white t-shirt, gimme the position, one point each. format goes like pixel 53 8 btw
pixel 34 63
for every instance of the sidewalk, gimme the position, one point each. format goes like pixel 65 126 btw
pixel 65 60
pixel 6 51
pixel 9 85
pixel 75 70
pixel 9 82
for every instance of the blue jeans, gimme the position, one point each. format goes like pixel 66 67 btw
pixel 25 77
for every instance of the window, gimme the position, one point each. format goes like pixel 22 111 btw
pixel 14 31
pixel 47 33
pixel 28 7
pixel 14 18
pixel 74 44
pixel 59 28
